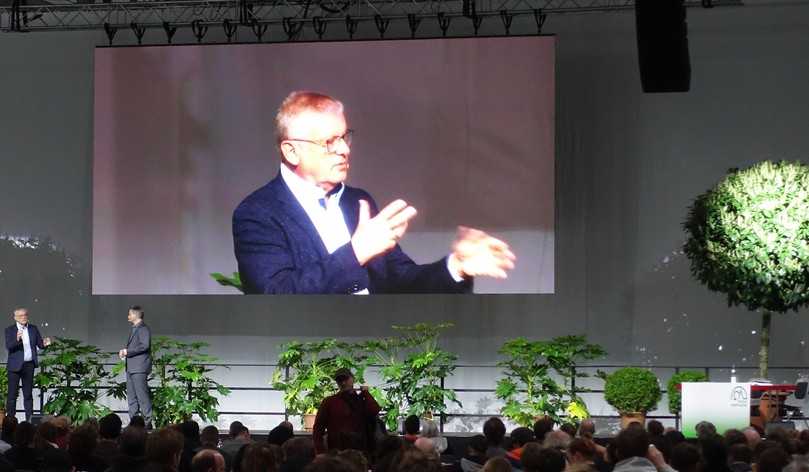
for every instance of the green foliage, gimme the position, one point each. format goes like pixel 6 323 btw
pixel 72 373
pixel 674 393
pixel 3 384
pixel 530 389
pixel 234 281
pixel 413 366
pixel 748 237
pixel 632 390
pixel 180 382
pixel 305 372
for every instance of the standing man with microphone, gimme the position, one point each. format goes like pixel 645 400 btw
pixel 138 366
pixel 22 342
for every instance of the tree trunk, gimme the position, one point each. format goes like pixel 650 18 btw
pixel 764 351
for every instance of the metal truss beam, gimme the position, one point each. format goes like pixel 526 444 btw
pixel 66 15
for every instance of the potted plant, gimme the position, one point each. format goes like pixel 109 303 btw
pixel 673 387
pixel 181 384
pixel 305 374
pixel 72 373
pixel 530 389
pixel 413 367
pixel 3 392
pixel 748 238
pixel 633 392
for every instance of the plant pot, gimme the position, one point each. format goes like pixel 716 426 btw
pixel 309 422
pixel 633 417
pixel 2 415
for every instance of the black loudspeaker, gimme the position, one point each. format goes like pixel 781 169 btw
pixel 662 46
pixel 800 390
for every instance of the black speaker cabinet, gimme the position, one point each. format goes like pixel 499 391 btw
pixel 662 35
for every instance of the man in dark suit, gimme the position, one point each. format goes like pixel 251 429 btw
pixel 307 232
pixel 22 342
pixel 138 365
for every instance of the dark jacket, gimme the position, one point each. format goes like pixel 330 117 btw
pixel 16 351
pixel 279 250
pixel 139 350
pixel 345 418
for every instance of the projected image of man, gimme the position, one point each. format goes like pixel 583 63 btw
pixel 307 232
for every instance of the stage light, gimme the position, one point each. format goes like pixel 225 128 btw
pixel 443 23
pixel 507 19
pixel 291 27
pixel 259 29
pixel 381 25
pixel 139 31
pixel 319 25
pixel 170 30
pixel 199 29
pixel 351 26
pixel 111 31
pixel 540 18
pixel 229 28
pixel 413 22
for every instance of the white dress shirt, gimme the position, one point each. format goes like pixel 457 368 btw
pixel 26 343
pixel 329 221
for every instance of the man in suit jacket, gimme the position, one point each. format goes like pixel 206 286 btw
pixel 22 342
pixel 138 358
pixel 307 232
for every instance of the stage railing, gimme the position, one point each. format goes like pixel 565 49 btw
pixel 713 372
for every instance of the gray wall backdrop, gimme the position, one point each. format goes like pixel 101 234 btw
pixel 627 167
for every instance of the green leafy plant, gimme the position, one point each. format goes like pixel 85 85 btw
pixel 305 372
pixel 234 280
pixel 529 388
pixel 3 385
pixel 413 367
pixel 748 238
pixel 180 382
pixel 632 390
pixel 72 373
pixel 673 389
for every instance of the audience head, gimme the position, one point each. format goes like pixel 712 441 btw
pixel 329 464
pixel 734 436
pixel 56 460
pixel 132 442
pixel 587 428
pixel 9 428
pixel 581 450
pixel 539 459
pixel 570 429
pixel 208 460
pixel 24 435
pixel 209 437
pixel 281 434
pixel 773 459
pixel 685 457
pixel 740 453
pixel 355 458
pixel 259 457
pixel 798 464
pixel 301 450
pixel 429 429
pixel 705 429
pixel 110 426
pixel 496 464
pixel 521 436
pixel 477 446
pixel 164 448
pixel 190 430
pixel 344 378
pixel 236 428
pixel 137 422
pixel 46 435
pixel 426 446
pixel 631 442
pixel 714 453
pixel 387 448
pixel 655 428
pixel 83 442
pixel 542 427
pixel 674 437
pixel 495 431
pixel 412 425
pixel 557 440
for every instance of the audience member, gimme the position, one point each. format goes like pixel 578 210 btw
pixel 740 457
pixel 772 459
pixel 7 436
pixel 497 464
pixel 163 450
pixel 327 463
pixel 82 447
pixel 430 431
pixel 685 458
pixel 753 437
pixel 427 447
pixel 587 429
pixel 281 433
pixel 23 455
pixel 239 436
pixel 655 428
pixel 538 459
pixel 412 426
pixel 634 454
pixel 495 432
pixel 542 427
pixel 109 430
pixel 557 440
pixel 475 455
pixel 355 458
pixel 299 452
pixel 132 447
pixel 519 438
pixel 571 429
pixel 259 457
pixel 208 460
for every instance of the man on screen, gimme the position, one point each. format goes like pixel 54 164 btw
pixel 308 232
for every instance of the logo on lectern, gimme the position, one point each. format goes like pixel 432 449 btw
pixel 738 396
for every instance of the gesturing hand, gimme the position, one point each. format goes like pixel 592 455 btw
pixel 475 253
pixel 47 341
pixel 377 235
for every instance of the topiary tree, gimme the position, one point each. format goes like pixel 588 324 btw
pixel 631 390
pixel 675 394
pixel 748 238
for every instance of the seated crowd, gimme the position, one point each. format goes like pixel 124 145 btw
pixel 104 446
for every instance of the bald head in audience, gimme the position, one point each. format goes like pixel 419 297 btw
pixel 208 460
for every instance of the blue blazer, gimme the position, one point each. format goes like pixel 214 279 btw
pixel 16 351
pixel 279 250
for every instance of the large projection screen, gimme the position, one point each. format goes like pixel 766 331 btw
pixel 462 129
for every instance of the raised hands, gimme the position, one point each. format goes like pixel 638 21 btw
pixel 475 253
pixel 378 235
